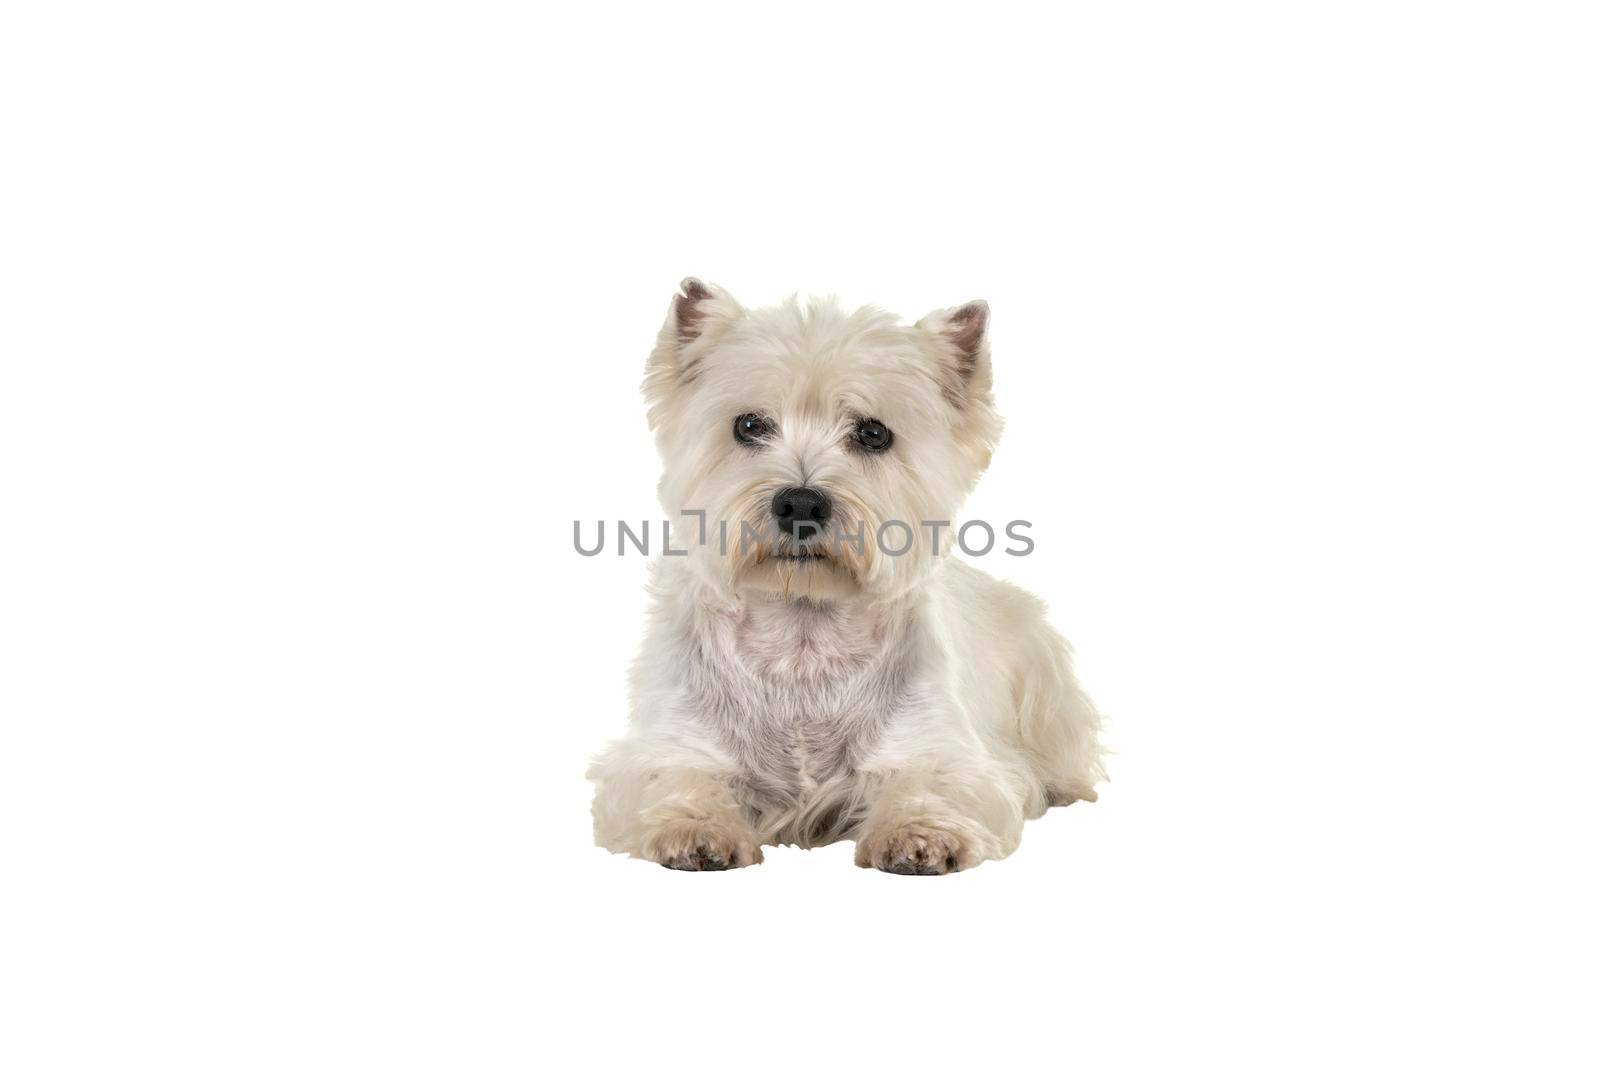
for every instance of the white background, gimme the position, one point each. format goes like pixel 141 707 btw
pixel 321 323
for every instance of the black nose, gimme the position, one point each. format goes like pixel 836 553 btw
pixel 807 509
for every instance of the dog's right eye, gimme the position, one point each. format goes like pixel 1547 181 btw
pixel 750 429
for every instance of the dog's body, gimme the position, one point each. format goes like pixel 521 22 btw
pixel 792 693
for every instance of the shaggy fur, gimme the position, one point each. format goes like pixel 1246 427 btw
pixel 909 703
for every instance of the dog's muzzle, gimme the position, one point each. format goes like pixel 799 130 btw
pixel 802 512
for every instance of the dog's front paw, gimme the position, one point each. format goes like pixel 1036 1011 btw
pixel 914 849
pixel 699 845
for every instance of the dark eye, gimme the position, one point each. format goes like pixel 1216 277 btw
pixel 750 428
pixel 873 435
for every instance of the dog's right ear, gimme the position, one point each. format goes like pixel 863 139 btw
pixel 689 309
pixel 698 315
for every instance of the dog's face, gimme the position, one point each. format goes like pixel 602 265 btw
pixel 822 442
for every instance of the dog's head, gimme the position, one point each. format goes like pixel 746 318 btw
pixel 823 442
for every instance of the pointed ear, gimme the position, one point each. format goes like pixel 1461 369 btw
pixel 962 335
pixel 687 315
pixel 698 309
pixel 699 314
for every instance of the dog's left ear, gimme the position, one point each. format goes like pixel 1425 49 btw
pixel 962 336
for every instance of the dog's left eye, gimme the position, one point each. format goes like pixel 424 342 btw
pixel 873 435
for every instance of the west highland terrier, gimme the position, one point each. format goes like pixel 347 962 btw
pixel 808 677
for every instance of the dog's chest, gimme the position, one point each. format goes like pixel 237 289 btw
pixel 801 702
pixel 795 738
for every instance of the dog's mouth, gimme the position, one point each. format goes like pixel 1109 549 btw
pixel 796 553
pixel 794 569
pixel 801 554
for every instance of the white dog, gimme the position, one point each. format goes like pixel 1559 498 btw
pixel 804 680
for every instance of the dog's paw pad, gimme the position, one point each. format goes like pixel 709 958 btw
pixel 916 850
pixel 698 847
pixel 699 859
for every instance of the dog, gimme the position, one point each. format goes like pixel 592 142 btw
pixel 807 677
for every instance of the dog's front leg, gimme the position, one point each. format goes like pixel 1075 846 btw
pixel 941 812
pixel 671 804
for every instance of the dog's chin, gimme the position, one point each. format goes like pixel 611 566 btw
pixel 811 577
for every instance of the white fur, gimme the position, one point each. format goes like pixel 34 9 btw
pixel 910 703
